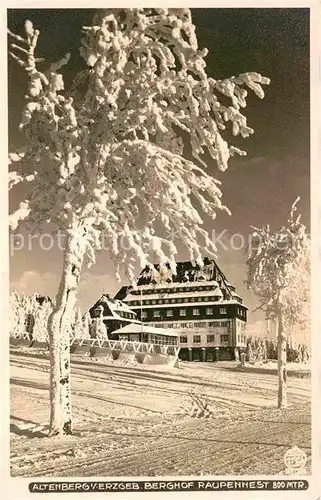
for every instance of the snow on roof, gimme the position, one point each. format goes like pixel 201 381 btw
pixel 154 296
pixel 114 305
pixel 185 304
pixel 118 305
pixel 143 328
pixel 187 284
pixel 121 318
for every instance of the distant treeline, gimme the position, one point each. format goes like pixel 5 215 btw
pixel 263 349
pixel 29 315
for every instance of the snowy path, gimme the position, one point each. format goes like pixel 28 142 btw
pixel 132 420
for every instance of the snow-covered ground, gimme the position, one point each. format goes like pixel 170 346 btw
pixel 135 420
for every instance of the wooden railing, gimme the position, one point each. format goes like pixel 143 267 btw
pixel 94 347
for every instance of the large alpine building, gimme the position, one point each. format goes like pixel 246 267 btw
pixel 198 303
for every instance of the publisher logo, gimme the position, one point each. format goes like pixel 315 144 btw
pixel 295 460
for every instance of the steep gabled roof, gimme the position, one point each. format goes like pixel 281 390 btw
pixel 122 293
pixel 111 307
pixel 188 272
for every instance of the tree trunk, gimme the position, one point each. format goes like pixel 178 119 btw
pixel 282 337
pixel 59 328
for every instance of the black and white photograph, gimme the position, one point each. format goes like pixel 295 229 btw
pixel 159 309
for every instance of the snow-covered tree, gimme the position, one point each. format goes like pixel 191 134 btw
pixel 41 315
pixel 17 318
pixel 81 325
pixel 98 329
pixel 111 153
pixel 279 273
pixel 23 311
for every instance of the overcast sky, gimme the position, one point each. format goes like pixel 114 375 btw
pixel 259 188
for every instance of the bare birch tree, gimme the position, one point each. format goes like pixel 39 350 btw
pixel 279 273
pixel 114 152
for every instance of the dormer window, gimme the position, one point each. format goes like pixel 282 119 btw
pixel 98 312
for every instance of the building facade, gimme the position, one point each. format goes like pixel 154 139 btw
pixel 113 312
pixel 198 303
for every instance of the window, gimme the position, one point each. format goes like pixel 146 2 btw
pixel 196 312
pixel 199 299
pixel 224 323
pixel 156 314
pixel 185 300
pixel 210 339
pixel 169 312
pixel 173 301
pixel 224 339
pixel 199 324
pixel 153 301
pixel 239 338
pixel 184 325
pixel 196 339
pixel 147 302
pixel 183 340
pixel 97 312
pixel 182 312
pixel 144 314
pixel 222 310
pixel 209 310
pixel 166 301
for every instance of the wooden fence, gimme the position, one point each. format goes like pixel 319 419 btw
pixel 142 352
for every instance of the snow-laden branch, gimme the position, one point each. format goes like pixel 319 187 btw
pixel 112 157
